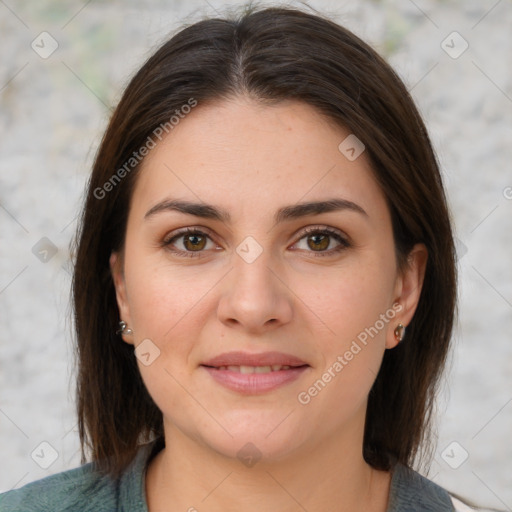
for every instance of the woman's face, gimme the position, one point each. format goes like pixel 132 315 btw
pixel 292 262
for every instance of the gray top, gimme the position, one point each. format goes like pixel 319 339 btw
pixel 84 490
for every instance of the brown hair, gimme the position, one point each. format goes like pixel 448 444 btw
pixel 270 55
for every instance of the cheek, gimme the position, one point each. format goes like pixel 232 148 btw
pixel 350 301
pixel 162 296
pixel 165 302
pixel 354 315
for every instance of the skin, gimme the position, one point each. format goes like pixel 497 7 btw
pixel 251 160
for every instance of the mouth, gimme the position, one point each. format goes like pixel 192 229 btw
pixel 254 373
pixel 254 369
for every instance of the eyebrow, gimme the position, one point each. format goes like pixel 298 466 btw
pixel 285 213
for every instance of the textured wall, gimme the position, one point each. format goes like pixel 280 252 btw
pixel 455 58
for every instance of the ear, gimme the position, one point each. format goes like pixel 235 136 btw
pixel 408 289
pixel 116 269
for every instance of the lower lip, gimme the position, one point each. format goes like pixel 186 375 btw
pixel 253 383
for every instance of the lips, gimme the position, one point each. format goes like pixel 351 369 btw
pixel 252 374
pixel 255 369
pixel 247 359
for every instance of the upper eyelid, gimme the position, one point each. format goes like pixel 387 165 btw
pixel 184 231
pixel 321 228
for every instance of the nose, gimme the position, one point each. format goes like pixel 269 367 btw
pixel 255 297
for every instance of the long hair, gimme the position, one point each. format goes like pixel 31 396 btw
pixel 270 55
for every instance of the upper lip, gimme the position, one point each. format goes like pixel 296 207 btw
pixel 248 359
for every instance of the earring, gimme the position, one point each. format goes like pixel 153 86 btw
pixel 123 328
pixel 399 332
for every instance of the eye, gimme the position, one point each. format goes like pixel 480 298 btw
pixel 191 241
pixel 319 239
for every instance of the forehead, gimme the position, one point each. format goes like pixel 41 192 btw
pixel 250 157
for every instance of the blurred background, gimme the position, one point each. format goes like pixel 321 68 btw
pixel 63 66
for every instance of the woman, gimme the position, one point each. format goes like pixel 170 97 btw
pixel 265 282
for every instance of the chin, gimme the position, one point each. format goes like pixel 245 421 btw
pixel 256 440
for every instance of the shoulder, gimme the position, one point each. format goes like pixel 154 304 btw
pixel 412 491
pixel 82 489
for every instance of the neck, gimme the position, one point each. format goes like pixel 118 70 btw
pixel 187 475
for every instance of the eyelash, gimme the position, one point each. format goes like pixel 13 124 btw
pixel 344 244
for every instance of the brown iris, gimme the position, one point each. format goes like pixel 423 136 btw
pixel 321 241
pixel 196 242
